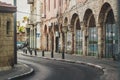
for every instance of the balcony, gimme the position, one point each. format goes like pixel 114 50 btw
pixel 30 1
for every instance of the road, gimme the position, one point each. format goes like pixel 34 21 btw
pixel 58 70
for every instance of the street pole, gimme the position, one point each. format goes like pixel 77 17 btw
pixel 15 47
pixel 52 52
pixel 63 53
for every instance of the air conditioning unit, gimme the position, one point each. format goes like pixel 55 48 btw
pixel 43 15
pixel 30 1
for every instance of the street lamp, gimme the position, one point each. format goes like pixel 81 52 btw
pixel 15 48
pixel 64 29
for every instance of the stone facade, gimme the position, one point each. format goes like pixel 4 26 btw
pixel 93 14
pixel 6 36
pixel 34 24
pixel 86 27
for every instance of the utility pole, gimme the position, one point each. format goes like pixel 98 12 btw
pixel 15 47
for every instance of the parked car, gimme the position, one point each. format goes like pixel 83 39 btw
pixel 20 45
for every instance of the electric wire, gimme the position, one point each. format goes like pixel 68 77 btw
pixel 22 12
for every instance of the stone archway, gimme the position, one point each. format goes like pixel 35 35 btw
pixel 91 37
pixel 78 38
pixel 109 32
pixel 56 37
pixel 76 35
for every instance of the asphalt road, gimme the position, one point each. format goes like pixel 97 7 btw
pixel 58 70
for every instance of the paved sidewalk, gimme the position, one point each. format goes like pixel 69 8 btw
pixel 18 71
pixel 111 68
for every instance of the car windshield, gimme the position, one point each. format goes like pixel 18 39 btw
pixel 20 42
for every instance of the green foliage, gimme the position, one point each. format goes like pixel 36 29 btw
pixel 21 29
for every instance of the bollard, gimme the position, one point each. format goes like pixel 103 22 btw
pixel 26 51
pixel 63 55
pixel 43 53
pixel 52 54
pixel 30 52
pixel 35 52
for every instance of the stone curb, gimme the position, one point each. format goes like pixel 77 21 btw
pixel 22 75
pixel 80 62
pixel 72 61
pixel 84 63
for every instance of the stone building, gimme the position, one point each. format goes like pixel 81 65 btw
pixel 34 24
pixel 51 21
pixel 6 35
pixel 84 27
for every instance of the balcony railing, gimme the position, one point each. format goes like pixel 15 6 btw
pixel 30 1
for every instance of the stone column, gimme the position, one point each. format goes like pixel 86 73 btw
pixel 100 41
pixel 84 46
pixel 74 33
pixel 54 42
pixel 66 42
pixel 60 42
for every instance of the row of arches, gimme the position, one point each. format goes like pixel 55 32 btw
pixel 87 38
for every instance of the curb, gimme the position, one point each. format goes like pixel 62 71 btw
pixel 84 63
pixel 72 61
pixel 79 62
pixel 22 75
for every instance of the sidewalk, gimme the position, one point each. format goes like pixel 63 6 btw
pixel 111 68
pixel 18 71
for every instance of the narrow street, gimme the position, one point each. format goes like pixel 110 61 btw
pixel 57 70
pixel 60 40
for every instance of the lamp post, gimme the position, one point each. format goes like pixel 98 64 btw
pixel 64 29
pixel 15 48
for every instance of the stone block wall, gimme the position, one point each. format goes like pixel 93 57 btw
pixel 6 41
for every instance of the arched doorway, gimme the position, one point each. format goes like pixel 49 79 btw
pixel 56 30
pixel 91 37
pixel 76 35
pixel 79 37
pixel 109 31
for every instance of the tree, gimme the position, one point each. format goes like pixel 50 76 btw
pixel 21 29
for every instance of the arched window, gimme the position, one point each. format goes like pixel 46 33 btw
pixel 8 27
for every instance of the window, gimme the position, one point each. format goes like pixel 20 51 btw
pixel 8 27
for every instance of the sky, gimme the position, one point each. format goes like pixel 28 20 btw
pixel 23 9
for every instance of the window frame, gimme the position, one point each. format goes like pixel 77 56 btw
pixel 8 24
